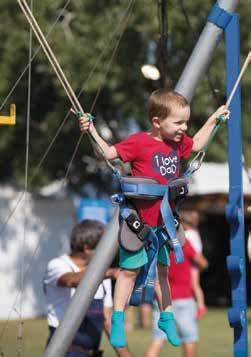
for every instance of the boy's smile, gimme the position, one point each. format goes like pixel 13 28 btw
pixel 174 126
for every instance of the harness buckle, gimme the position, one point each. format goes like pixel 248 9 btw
pixel 134 223
pixel 178 188
pixel 137 226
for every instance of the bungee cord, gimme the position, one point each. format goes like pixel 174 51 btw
pixel 163 41
pixel 193 37
pixel 22 264
pixel 76 106
pixel 19 308
pixel 50 56
pixel 130 7
pixel 126 17
pixel 196 162
pixel 237 82
pixel 248 175
pixel 34 55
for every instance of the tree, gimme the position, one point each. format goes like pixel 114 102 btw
pixel 84 41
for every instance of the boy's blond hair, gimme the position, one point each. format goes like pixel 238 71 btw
pixel 161 101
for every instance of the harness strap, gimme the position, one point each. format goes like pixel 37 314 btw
pixel 144 189
pixel 170 226
pixel 143 290
pixel 133 222
pixel 153 190
pixel 196 162
pixel 177 188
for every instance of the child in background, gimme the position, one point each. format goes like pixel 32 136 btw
pixel 190 222
pixel 155 154
pixel 184 304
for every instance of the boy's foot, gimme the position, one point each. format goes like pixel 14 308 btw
pixel 117 336
pixel 167 324
pixel 201 311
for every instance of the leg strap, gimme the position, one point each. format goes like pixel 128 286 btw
pixel 143 290
pixel 169 222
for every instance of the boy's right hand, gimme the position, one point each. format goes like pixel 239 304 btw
pixel 85 124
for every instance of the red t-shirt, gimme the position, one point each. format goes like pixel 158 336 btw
pixel 180 274
pixel 154 159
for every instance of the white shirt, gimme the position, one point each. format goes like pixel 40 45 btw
pixel 194 238
pixel 58 297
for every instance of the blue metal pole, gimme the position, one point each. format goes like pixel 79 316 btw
pixel 234 209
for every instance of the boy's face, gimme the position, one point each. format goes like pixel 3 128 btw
pixel 174 126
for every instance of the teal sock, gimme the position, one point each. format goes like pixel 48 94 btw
pixel 167 324
pixel 117 336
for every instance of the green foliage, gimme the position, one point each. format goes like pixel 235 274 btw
pixel 101 47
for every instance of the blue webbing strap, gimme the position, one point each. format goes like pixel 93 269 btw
pixel 143 290
pixel 145 189
pixel 168 219
pixel 219 16
pixel 166 212
pixel 125 211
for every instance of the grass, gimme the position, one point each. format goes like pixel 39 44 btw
pixel 215 338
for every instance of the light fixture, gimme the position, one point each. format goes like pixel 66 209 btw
pixel 149 71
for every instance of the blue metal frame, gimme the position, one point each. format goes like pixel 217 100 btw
pixel 234 209
pixel 237 314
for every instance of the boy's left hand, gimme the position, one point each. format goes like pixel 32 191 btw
pixel 223 110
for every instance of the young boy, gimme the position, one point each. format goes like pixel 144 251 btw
pixel 155 154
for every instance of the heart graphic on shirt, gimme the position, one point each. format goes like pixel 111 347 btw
pixel 166 165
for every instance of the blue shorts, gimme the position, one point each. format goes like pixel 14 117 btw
pixel 185 317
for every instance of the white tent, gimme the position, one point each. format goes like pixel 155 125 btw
pixel 49 221
pixel 214 178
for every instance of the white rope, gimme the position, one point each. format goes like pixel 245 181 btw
pixel 126 17
pixel 237 82
pixel 77 107
pixel 33 57
pixel 23 243
pixel 50 55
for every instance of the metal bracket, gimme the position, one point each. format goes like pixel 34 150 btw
pixel 11 119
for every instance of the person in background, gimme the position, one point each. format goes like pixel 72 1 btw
pixel 61 278
pixel 184 304
pixel 145 312
pixel 190 222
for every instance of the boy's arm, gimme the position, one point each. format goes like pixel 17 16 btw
pixel 202 136
pixel 109 151
pixel 70 280
pixel 200 261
